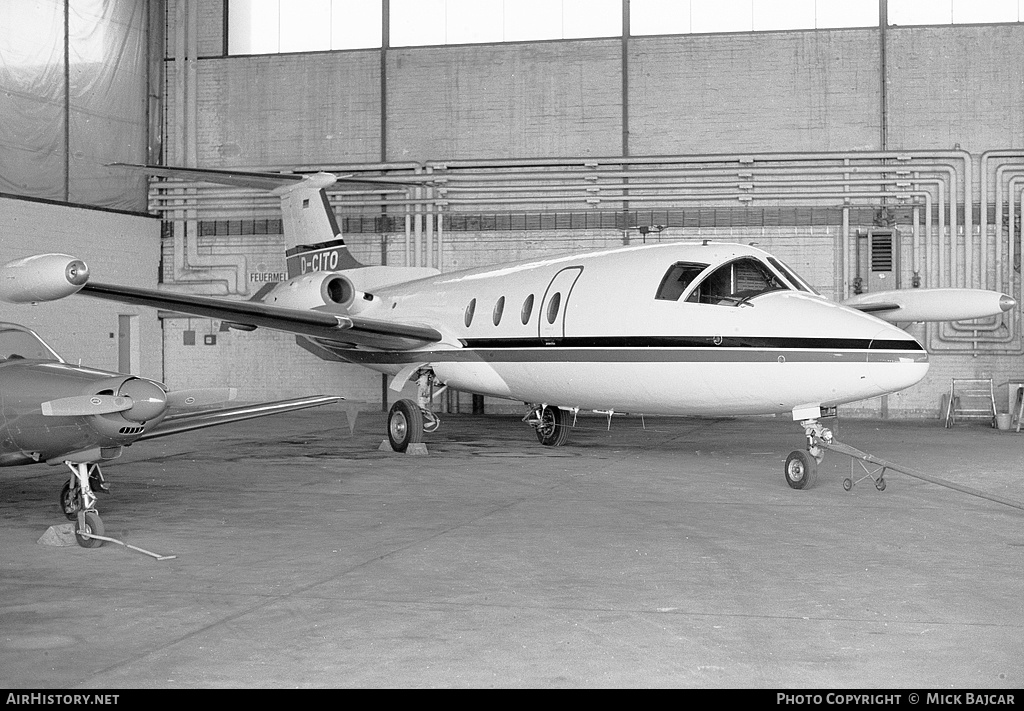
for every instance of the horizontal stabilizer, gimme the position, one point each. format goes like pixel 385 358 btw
pixel 236 178
pixel 266 180
pixel 909 305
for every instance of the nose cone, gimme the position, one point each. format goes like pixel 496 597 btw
pixel 1007 302
pixel 896 360
pixel 149 400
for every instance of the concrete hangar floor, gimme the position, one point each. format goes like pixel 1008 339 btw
pixel 668 553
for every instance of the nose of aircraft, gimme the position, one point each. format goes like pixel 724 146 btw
pixel 149 399
pixel 1007 302
pixel 897 360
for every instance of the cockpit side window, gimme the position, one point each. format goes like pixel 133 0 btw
pixel 678 277
pixel 736 282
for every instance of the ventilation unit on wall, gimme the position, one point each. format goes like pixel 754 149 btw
pixel 878 260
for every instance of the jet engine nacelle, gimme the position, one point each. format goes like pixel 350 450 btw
pixel 315 289
pixel 42 277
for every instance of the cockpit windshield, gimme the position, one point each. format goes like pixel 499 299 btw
pixel 18 343
pixel 791 275
pixel 736 282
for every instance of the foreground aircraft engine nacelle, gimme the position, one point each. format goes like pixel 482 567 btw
pixel 43 277
pixel 119 410
pixel 315 289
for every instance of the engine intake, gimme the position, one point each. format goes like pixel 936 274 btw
pixel 315 289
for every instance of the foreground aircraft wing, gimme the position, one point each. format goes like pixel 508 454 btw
pixel 343 329
pixel 186 422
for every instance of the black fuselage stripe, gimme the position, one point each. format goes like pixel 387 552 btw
pixel 633 342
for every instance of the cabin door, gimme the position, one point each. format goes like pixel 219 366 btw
pixel 555 302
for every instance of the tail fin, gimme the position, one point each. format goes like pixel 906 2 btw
pixel 313 240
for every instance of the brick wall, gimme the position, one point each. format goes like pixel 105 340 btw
pixel 118 248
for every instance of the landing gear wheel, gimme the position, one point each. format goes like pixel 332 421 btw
pixel 69 503
pixel 801 470
pixel 93 524
pixel 553 429
pixel 405 425
pixel 847 483
pixel 880 484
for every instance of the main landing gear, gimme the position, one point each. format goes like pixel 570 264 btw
pixel 409 420
pixel 407 423
pixel 78 502
pixel 552 424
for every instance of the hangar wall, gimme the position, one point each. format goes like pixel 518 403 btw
pixel 800 91
pixel 119 247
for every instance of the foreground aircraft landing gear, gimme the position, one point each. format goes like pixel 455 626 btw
pixel 78 502
pixel 551 423
pixel 801 468
pixel 69 494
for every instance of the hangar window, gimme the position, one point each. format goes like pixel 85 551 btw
pixel 678 277
pixel 736 282
pixel 275 27
pixel 499 307
pixel 527 309
pixel 469 312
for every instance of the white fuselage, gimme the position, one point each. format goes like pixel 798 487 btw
pixel 587 331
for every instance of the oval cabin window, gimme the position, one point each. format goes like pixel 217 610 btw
pixel 553 305
pixel 498 309
pixel 469 312
pixel 527 309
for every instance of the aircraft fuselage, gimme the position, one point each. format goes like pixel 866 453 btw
pixel 607 331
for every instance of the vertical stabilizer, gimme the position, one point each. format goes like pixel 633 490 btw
pixel 313 240
pixel 312 235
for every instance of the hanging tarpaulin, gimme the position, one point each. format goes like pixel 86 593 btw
pixel 73 76
pixel 32 99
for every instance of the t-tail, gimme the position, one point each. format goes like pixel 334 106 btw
pixel 313 240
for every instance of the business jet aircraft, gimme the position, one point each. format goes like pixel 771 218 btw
pixel 59 413
pixel 676 328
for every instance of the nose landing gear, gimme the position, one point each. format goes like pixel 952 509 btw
pixel 801 468
pixel 78 502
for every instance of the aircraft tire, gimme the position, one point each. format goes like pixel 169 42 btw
pixel 93 524
pixel 69 501
pixel 405 425
pixel 553 430
pixel 801 470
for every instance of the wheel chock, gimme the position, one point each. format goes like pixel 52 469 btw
pixel 415 449
pixel 61 535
